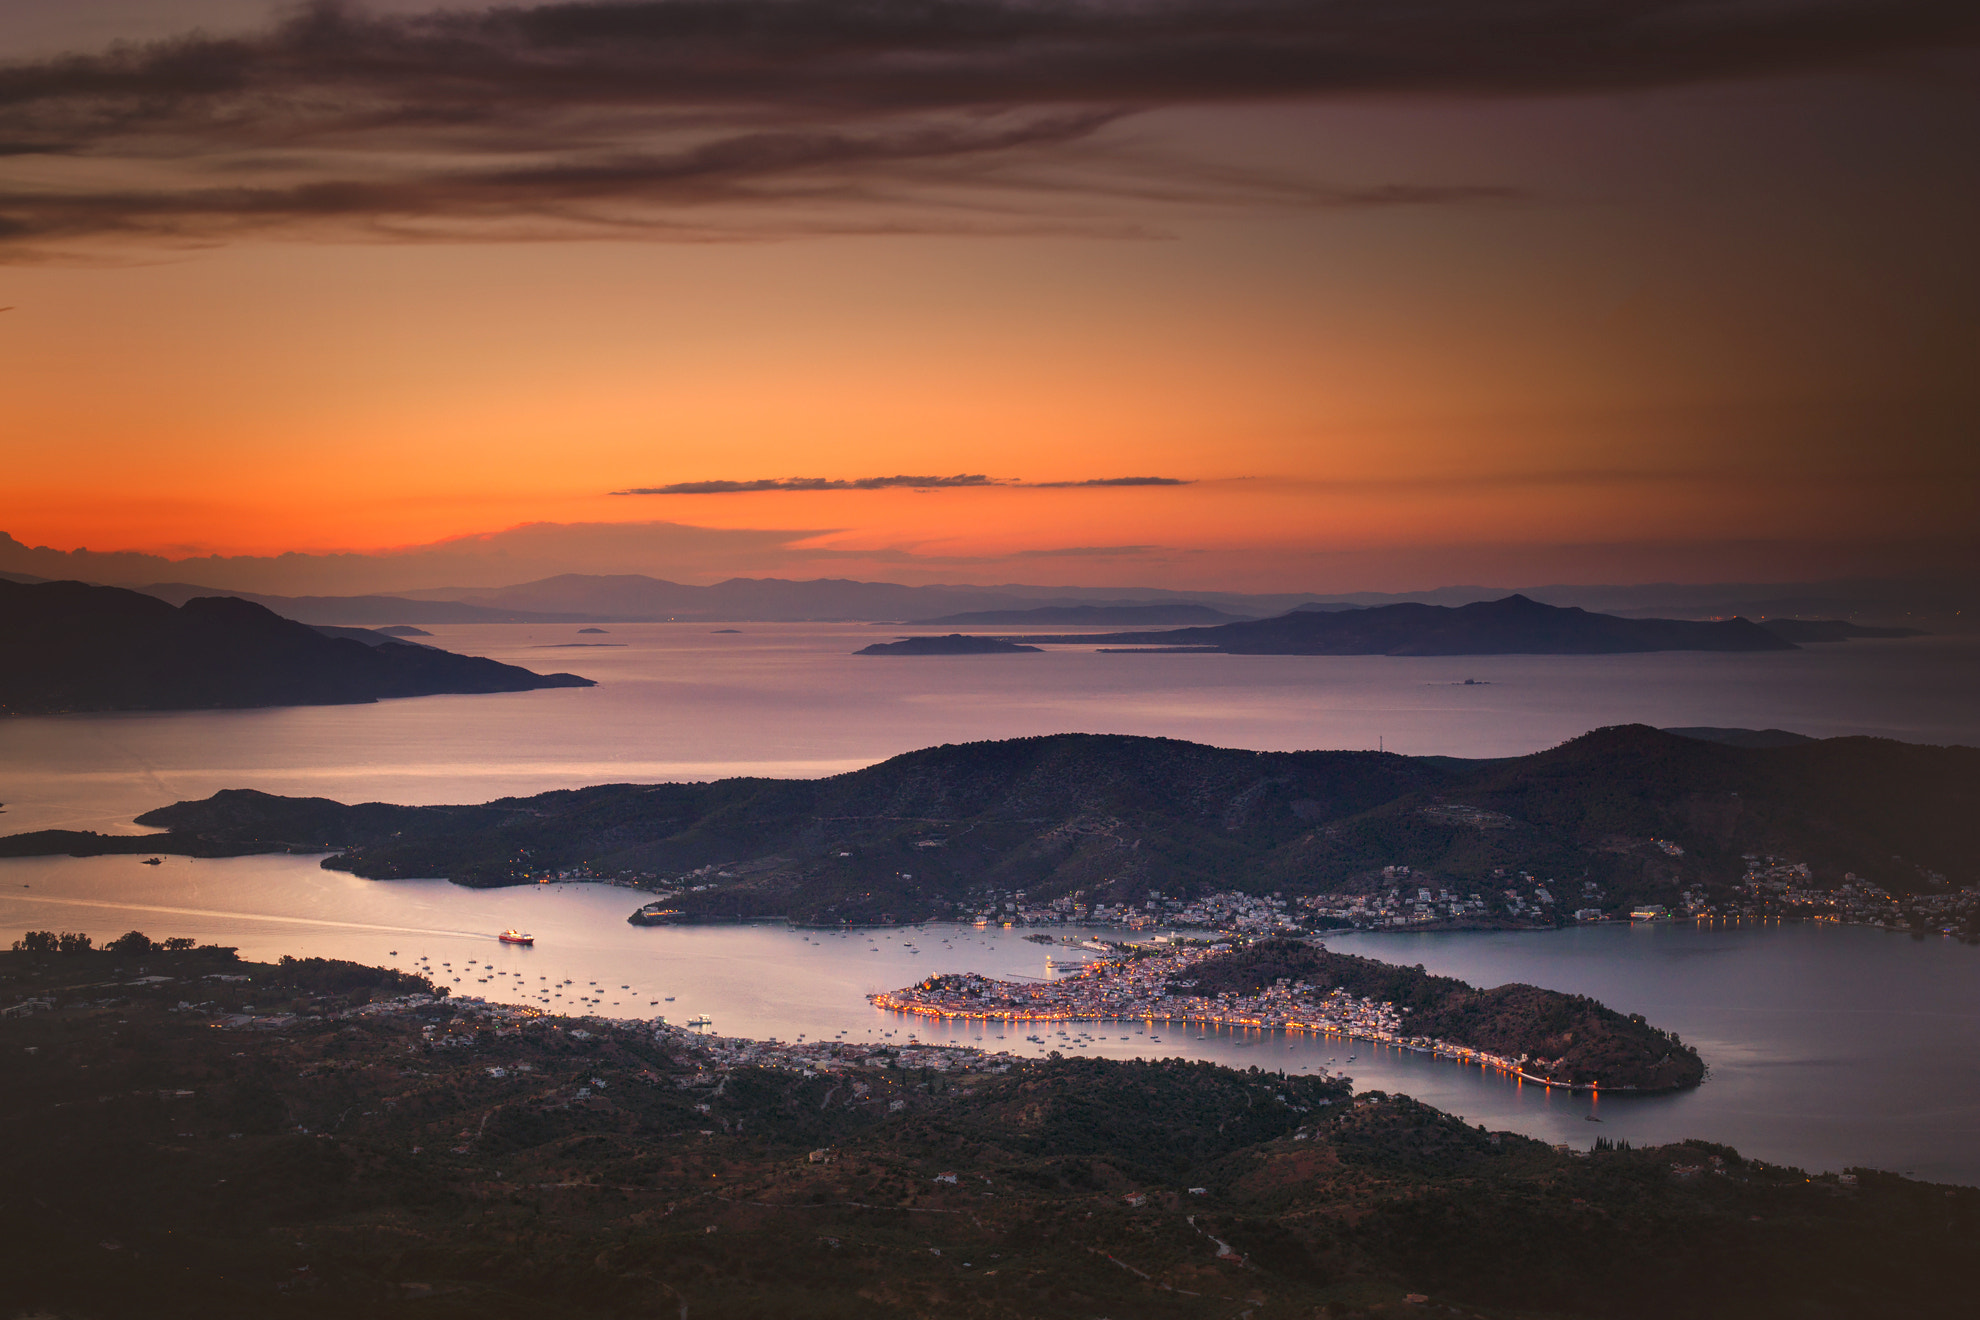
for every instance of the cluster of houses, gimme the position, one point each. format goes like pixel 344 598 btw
pixel 1779 887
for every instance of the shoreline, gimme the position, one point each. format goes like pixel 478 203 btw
pixel 887 1001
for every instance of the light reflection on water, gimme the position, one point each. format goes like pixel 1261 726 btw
pixel 791 700
pixel 1829 1046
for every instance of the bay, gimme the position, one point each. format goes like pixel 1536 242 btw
pixel 1829 1047
pixel 680 701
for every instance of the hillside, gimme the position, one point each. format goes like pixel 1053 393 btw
pixel 1569 1038
pixel 67 646
pixel 214 1138
pixel 934 832
pixel 1512 626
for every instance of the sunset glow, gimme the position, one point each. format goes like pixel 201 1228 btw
pixel 1386 339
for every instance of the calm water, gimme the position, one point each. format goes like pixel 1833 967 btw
pixel 683 702
pixel 1829 1047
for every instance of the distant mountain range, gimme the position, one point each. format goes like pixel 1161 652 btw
pixel 68 646
pixel 1947 604
pixel 1512 626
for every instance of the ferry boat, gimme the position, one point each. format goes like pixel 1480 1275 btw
pixel 700 1020
pixel 154 861
pixel 516 937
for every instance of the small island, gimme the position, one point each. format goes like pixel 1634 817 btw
pixel 1099 616
pixel 953 644
pixel 1515 625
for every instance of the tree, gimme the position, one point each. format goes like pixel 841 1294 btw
pixel 72 942
pixel 134 944
pixel 36 941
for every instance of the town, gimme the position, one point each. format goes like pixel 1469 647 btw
pixel 1152 984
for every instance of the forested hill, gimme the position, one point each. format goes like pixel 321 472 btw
pixel 1568 1038
pixel 1515 625
pixel 69 646
pixel 308 1140
pixel 927 833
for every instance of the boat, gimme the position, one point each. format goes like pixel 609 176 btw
pixel 154 861
pixel 700 1020
pixel 516 937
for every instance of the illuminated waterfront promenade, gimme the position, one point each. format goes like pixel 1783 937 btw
pixel 1154 988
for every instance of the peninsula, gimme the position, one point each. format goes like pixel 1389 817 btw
pixel 70 646
pixel 1515 625
pixel 1287 985
pixel 953 644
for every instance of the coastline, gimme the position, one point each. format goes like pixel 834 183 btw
pixel 1294 1000
pixel 1486 1061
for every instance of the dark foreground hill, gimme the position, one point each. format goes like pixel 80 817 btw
pixel 1512 626
pixel 68 646
pixel 942 831
pixel 322 1141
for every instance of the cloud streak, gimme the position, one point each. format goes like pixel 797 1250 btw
pixel 710 119
pixel 972 481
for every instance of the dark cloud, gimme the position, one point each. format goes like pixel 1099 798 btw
pixel 1109 481
pixel 745 118
pixel 808 483
pixel 884 483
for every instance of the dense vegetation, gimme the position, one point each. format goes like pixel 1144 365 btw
pixel 68 646
pixel 1570 1038
pixel 931 832
pixel 373 1163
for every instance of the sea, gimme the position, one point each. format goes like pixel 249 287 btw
pixel 1828 1047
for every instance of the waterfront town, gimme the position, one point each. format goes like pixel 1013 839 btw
pixel 1153 985
pixel 1778 887
pixel 1772 888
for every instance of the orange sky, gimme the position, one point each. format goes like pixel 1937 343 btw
pixel 1678 325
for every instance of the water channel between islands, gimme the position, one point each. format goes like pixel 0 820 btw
pixel 1828 1046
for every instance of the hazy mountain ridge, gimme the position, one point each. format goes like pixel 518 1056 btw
pixel 1117 816
pixel 67 646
